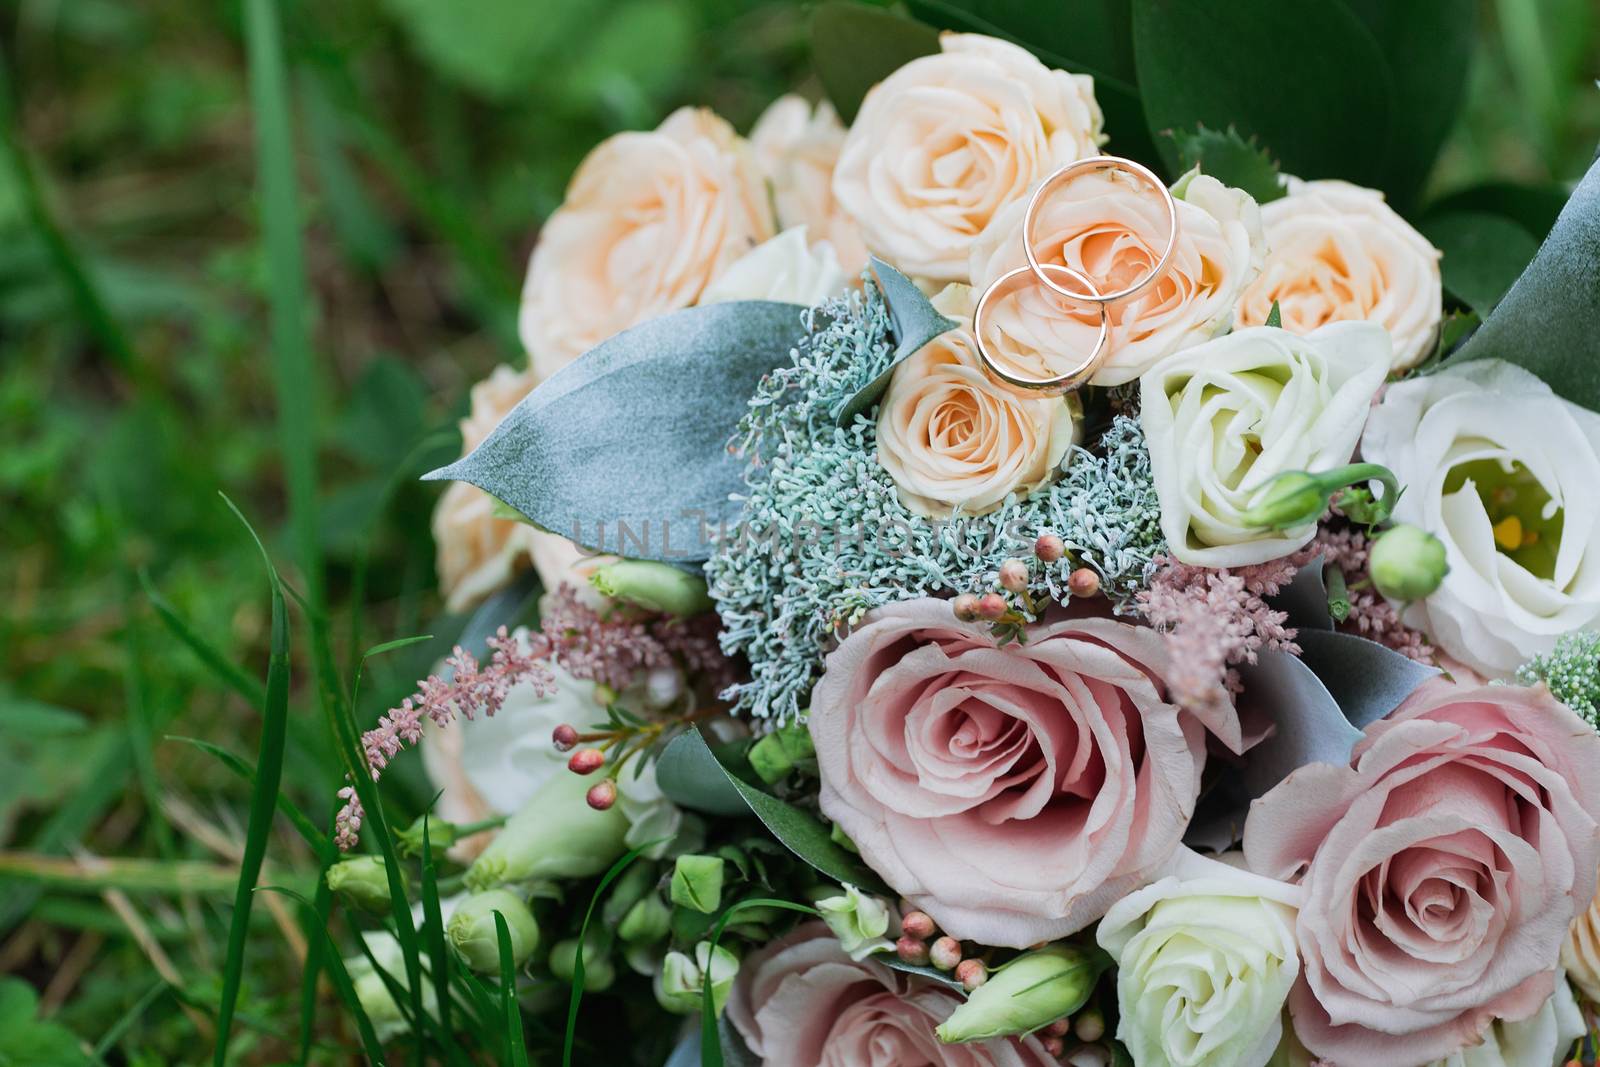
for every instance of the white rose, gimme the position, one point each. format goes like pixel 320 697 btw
pixel 1543 1039
pixel 1225 418
pixel 1205 959
pixel 946 141
pixel 784 268
pixel 1504 472
pixel 796 147
pixel 953 440
pixel 1337 252
pixel 1111 227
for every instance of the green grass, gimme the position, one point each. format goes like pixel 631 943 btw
pixel 265 248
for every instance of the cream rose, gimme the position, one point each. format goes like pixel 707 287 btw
pixel 1504 472
pixel 796 147
pixel 1205 959
pixel 953 440
pixel 785 268
pixel 1225 418
pixel 946 141
pixel 477 552
pixel 649 220
pixel 1580 955
pixel 1111 227
pixel 1337 253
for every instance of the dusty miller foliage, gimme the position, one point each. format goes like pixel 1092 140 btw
pixel 824 538
pixel 1572 671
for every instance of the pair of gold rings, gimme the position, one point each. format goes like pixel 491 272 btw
pixel 1054 276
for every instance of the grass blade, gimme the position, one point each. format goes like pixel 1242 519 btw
pixel 341 981
pixel 280 231
pixel 319 841
pixel 225 669
pixel 516 1044
pixel 433 928
pixel 583 933
pixel 263 798
pixel 710 1039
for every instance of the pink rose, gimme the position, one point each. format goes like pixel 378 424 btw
pixel 1441 870
pixel 801 1002
pixel 1012 792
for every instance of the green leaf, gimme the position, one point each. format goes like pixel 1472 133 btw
pixel 854 47
pixel 1275 316
pixel 1483 255
pixel 1232 160
pixel 717 1036
pixel 576 997
pixel 1308 80
pixel 625 450
pixel 494 47
pixel 1428 45
pixel 932 974
pixel 691 776
pixel 1533 207
pixel 914 323
pixel 1549 323
pixel 516 1046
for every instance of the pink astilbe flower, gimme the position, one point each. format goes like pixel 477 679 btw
pixel 1371 616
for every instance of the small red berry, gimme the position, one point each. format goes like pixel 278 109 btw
pixel 1089 1026
pixel 1013 576
pixel 1058 1028
pixel 912 951
pixel 1054 1046
pixel 602 794
pixel 1083 582
pixel 971 974
pixel 1049 547
pixel 945 953
pixel 992 606
pixel 917 924
pixel 966 607
pixel 564 737
pixel 586 761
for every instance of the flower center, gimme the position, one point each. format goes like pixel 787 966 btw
pixel 1527 520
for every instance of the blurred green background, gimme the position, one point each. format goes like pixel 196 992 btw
pixel 432 136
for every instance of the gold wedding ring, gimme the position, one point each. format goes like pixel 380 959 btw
pixel 1066 174
pixel 1004 286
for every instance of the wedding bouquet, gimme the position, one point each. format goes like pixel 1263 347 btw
pixel 1020 581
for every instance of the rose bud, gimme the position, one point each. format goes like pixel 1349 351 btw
pixel 473 934
pixel 859 922
pixel 1083 582
pixel 966 607
pixel 556 834
pixel 945 953
pixel 657 587
pixel 1013 576
pixel 991 606
pixel 697 883
pixel 971 974
pixel 1049 548
pixel 602 794
pixel 363 882
pixel 912 951
pixel 564 737
pixel 598 972
pixel 917 924
pixel 1407 563
pixel 586 761
pixel 679 984
pixel 1031 991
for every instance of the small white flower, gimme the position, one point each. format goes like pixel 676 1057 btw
pixel 1504 472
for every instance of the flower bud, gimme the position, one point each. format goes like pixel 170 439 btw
pixel 1049 548
pixel 658 587
pixel 680 983
pixel 697 883
pixel 1293 498
pixel 441 835
pixel 363 882
pixel 1407 563
pixel 859 922
pixel 602 794
pixel 554 835
pixel 564 737
pixel 912 951
pixel 646 922
pixel 775 754
pixel 598 972
pixel 1025 994
pixel 971 974
pixel 475 938
pixel 991 606
pixel 1083 582
pixel 586 761
pixel 1014 575
pixel 945 953
pixel 965 607
pixel 917 924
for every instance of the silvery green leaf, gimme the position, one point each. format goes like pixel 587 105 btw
pixel 625 449
pixel 1366 679
pixel 1549 323
pixel 915 323
pixel 923 971
pixel 691 777
pixel 1305 598
pixel 1308 725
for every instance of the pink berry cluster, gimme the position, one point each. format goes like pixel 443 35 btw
pixel 1015 578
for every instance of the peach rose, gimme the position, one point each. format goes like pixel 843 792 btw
pixel 946 141
pixel 1336 252
pixel 1441 870
pixel 1012 792
pixel 1580 953
pixel 801 1002
pixel 649 220
pixel 796 147
pixel 953 440
pixel 476 551
pixel 1112 227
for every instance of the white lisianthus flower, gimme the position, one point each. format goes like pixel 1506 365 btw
pixel 1543 1038
pixel 1205 959
pixel 1504 472
pixel 1225 418
pixel 1338 253
pixel 785 268
pixel 859 921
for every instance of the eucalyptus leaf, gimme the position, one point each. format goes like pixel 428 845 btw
pixel 1308 726
pixel 691 776
pixel 1549 323
pixel 1305 598
pixel 1308 80
pixel 854 47
pixel 625 449
pixel 1367 680
pixel 932 974
pixel 914 323
pixel 1483 255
